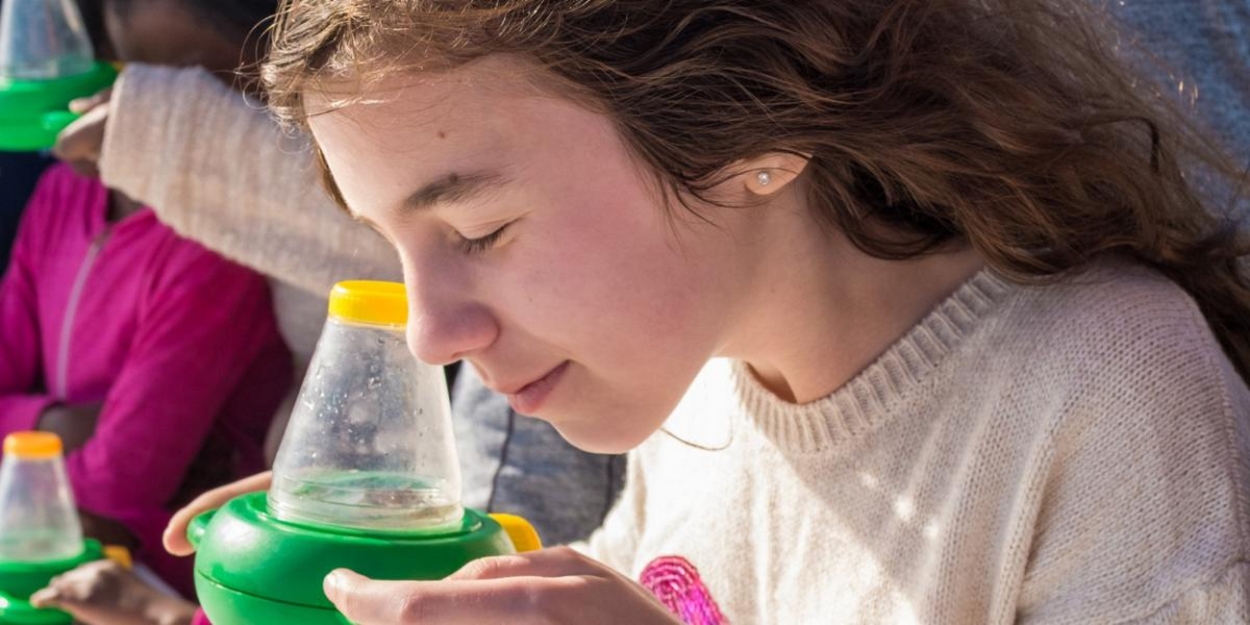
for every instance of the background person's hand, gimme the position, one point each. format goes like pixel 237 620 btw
pixel 555 585
pixel 81 143
pixel 105 593
pixel 175 538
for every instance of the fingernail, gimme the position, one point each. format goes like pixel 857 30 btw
pixel 335 582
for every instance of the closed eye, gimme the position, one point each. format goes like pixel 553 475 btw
pixel 483 244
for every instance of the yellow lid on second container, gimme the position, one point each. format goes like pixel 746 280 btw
pixel 32 445
pixel 369 301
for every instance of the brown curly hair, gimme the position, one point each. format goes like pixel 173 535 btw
pixel 1006 124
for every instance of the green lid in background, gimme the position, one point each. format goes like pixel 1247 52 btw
pixel 33 112
pixel 14 611
pixel 19 580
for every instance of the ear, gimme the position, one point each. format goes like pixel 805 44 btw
pixel 769 173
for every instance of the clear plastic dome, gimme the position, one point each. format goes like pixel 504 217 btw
pixel 42 40
pixel 369 445
pixel 38 520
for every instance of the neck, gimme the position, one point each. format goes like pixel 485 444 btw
pixel 821 310
pixel 120 206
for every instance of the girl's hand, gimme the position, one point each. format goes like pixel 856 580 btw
pixel 555 585
pixel 175 538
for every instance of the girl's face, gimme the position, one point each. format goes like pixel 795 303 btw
pixel 535 248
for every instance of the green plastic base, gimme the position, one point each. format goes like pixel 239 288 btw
pixel 15 611
pixel 33 112
pixel 19 580
pixel 226 606
pixel 252 569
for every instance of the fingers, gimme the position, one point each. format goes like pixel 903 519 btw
pixel 91 582
pixel 372 602
pixel 539 586
pixel 81 142
pixel 553 562
pixel 175 537
pixel 48 597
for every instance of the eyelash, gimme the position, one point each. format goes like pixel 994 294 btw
pixel 481 245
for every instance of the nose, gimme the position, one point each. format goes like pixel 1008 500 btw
pixel 445 322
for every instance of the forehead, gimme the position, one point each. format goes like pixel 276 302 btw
pixel 407 129
pixel 406 112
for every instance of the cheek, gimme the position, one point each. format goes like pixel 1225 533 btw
pixel 613 288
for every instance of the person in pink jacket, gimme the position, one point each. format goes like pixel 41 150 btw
pixel 157 361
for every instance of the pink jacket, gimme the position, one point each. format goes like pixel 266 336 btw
pixel 179 344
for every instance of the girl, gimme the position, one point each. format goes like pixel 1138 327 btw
pixel 905 308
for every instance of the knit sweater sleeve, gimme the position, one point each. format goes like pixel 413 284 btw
pixel 1144 512
pixel 1220 601
pixel 219 170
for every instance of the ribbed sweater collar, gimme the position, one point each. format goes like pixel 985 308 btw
pixel 864 403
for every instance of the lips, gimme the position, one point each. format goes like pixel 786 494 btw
pixel 529 398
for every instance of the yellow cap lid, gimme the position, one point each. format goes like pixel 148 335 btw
pixel 524 536
pixel 369 301
pixel 32 445
pixel 120 555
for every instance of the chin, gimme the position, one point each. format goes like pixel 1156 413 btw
pixel 597 437
pixel 606 423
pixel 598 442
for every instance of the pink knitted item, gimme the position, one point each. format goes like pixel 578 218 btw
pixel 676 583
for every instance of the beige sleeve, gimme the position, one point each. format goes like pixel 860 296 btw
pixel 219 170
pixel 1145 514
pixel 1219 602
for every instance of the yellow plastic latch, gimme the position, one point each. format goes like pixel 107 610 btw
pixel 32 445
pixel 120 555
pixel 524 536
pixel 369 301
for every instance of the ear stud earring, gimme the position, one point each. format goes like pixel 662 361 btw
pixel 764 178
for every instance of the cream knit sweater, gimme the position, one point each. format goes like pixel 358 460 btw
pixel 1075 453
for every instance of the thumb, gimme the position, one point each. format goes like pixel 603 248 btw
pixel 357 597
pixel 449 602
pixel 46 598
pixel 340 583
pixel 367 601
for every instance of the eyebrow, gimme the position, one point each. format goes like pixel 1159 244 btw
pixel 453 187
